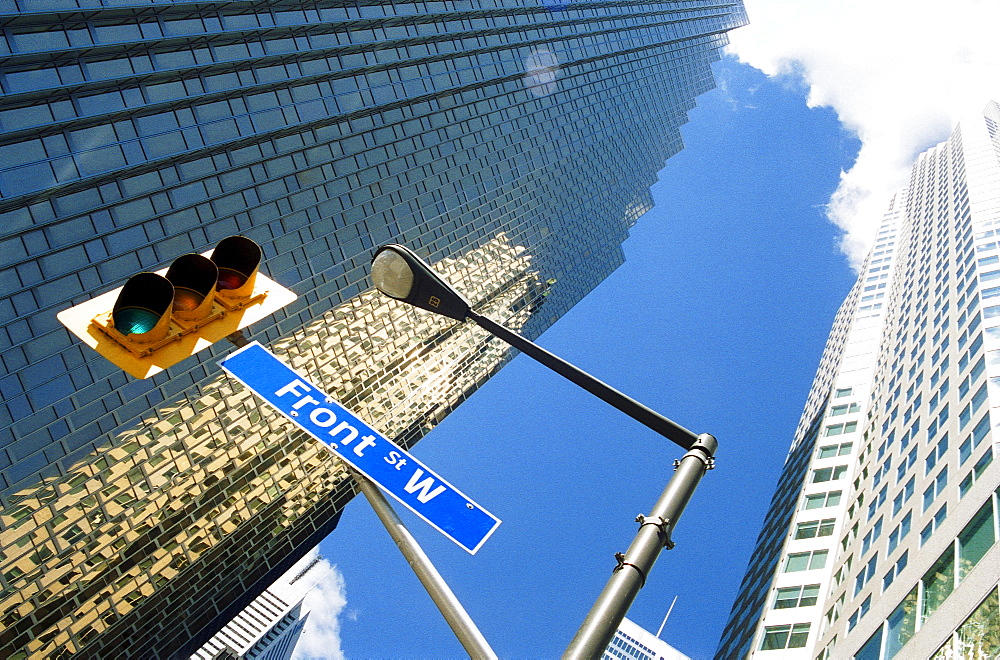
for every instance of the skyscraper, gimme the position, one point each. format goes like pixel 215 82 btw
pixel 269 627
pixel 510 143
pixel 880 541
pixel 632 642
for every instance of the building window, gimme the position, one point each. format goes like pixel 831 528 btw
pixel 939 395
pixel 830 451
pixel 977 371
pixel 976 471
pixel 866 574
pixel 845 409
pixel 805 561
pixel 937 453
pixel 896 569
pixel 853 620
pixel 848 538
pixel 900 531
pixel 802 596
pixel 938 583
pixel 877 501
pixel 882 472
pixel 845 391
pixel 829 474
pixel 965 450
pixel 972 441
pixel 872 648
pixel 826 654
pixel 785 637
pixel 906 464
pixel 872 536
pixel 975 540
pixel 822 500
pixel 838 429
pixel 903 496
pixel 901 625
pixel 814 528
pixel 977 636
pixel 936 488
pixel 935 522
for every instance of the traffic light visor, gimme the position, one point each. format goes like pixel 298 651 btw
pixel 142 309
pixel 238 259
pixel 193 277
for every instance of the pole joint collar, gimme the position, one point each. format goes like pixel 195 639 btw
pixel 706 444
pixel 663 526
pixel 620 558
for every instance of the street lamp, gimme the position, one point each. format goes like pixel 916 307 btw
pixel 399 273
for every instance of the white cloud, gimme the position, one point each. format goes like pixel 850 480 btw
pixel 898 73
pixel 325 603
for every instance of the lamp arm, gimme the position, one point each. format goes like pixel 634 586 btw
pixel 646 416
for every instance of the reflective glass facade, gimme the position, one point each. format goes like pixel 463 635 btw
pixel 894 454
pixel 512 144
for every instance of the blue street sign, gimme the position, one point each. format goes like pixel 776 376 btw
pixel 394 469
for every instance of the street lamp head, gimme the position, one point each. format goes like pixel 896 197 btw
pixel 399 273
pixel 391 273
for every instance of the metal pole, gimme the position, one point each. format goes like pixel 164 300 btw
pixel 668 429
pixel 458 619
pixel 629 576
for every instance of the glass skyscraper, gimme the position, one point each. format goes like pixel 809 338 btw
pixel 881 538
pixel 510 143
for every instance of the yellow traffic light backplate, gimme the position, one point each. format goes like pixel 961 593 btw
pixel 90 322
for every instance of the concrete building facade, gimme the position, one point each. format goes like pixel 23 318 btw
pixel 881 537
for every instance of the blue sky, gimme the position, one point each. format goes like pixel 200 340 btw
pixel 717 320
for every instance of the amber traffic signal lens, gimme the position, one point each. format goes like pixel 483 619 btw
pixel 186 300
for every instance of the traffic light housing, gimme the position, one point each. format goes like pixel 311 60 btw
pixel 157 319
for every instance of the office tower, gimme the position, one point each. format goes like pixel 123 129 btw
pixel 269 627
pixel 632 642
pixel 880 541
pixel 510 143
pixel 274 643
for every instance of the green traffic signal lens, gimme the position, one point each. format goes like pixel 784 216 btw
pixel 230 279
pixel 134 320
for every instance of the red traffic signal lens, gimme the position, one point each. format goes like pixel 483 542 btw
pixel 238 259
pixel 230 279
pixel 135 320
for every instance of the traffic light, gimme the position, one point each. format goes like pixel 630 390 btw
pixel 157 319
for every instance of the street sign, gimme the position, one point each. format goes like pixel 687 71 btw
pixel 395 470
